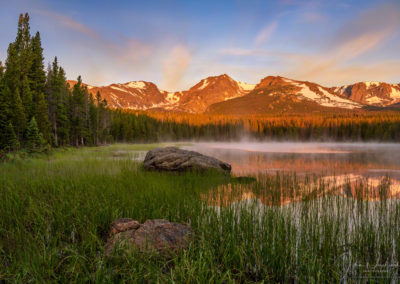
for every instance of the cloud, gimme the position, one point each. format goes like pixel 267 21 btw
pixel 127 49
pixel 362 35
pixel 265 33
pixel 345 55
pixel 69 23
pixel 313 17
pixel 361 44
pixel 244 52
pixel 175 65
pixel 105 59
pixel 367 31
pixel 332 74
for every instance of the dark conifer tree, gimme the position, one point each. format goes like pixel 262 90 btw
pixel 27 99
pixel 1 70
pixel 34 140
pixel 41 112
pixel 37 75
pixel 17 114
pixel 77 113
pixel 4 118
pixel 62 118
pixel 53 90
pixel 13 70
pixel 11 142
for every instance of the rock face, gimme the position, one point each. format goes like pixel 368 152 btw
pixel 371 93
pixel 175 160
pixel 142 95
pixel 153 235
pixel 277 95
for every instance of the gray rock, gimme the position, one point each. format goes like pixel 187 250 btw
pixel 176 160
pixel 153 235
pixel 122 225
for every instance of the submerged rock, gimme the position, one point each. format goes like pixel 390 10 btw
pixel 153 235
pixel 175 160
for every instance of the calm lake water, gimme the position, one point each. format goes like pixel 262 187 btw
pixel 374 160
pixel 334 163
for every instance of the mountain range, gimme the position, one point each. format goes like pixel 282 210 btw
pixel 273 94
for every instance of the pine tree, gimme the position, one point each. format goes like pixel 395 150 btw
pixel 36 73
pixel 24 48
pixel 27 99
pixel 4 117
pixel 17 114
pixel 54 87
pixel 19 56
pixel 11 142
pixel 42 117
pixel 1 70
pixel 78 113
pixel 62 119
pixel 19 38
pixel 34 141
pixel 12 74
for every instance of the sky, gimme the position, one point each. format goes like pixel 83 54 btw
pixel 175 43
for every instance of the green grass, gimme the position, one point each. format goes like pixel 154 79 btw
pixel 55 213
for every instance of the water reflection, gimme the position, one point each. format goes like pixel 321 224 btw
pixel 362 171
pixel 321 158
pixel 275 191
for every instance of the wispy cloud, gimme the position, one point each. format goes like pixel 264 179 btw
pixel 244 52
pixel 69 23
pixel 108 57
pixel 362 35
pixel 265 33
pixel 343 56
pixel 313 17
pixel 174 66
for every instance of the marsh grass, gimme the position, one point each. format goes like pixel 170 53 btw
pixel 55 213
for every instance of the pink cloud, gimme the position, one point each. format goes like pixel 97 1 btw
pixel 175 66
pixel 265 33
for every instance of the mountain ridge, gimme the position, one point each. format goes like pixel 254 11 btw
pixel 221 89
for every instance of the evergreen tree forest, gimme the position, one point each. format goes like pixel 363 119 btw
pixel 40 110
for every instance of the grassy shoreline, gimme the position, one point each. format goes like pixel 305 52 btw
pixel 55 213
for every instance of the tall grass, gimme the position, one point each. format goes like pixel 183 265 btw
pixel 55 213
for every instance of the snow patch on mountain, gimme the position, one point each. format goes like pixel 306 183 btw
pixel 341 89
pixel 119 89
pixel 136 84
pixel 172 98
pixel 326 99
pixel 307 93
pixel 205 84
pixel 369 84
pixel 115 99
pixel 246 86
pixel 374 100
pixel 395 93
pixel 335 101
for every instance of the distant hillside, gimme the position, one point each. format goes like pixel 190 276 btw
pixel 141 95
pixel 278 95
pixel 371 93
pixel 273 94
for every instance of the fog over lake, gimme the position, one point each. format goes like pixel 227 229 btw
pixel 328 158
pixel 340 163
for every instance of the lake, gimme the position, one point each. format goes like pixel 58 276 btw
pixel 336 164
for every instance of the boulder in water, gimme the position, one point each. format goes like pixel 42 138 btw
pixel 177 160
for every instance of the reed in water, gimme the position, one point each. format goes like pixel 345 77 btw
pixel 56 211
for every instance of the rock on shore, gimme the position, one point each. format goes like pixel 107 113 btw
pixel 177 160
pixel 153 235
